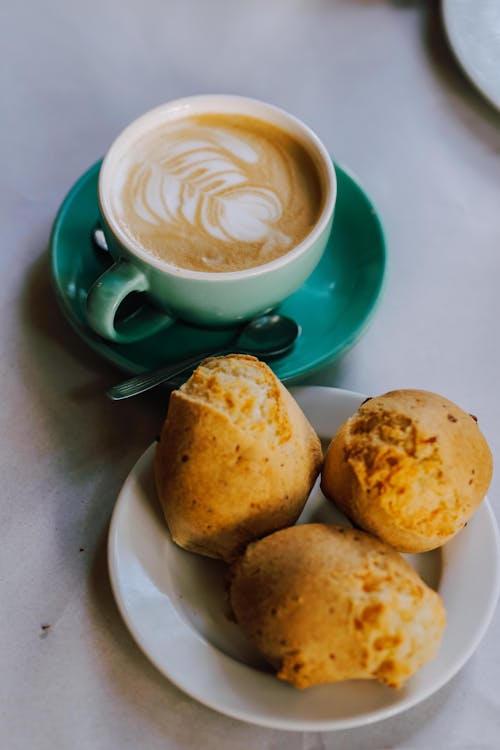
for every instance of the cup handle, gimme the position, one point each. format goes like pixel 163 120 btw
pixel 106 296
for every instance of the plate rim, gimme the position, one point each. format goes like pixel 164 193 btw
pixel 373 716
pixel 448 13
pixel 111 352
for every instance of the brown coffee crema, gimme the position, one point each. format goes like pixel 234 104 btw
pixel 217 192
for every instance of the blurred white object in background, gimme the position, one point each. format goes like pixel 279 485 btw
pixel 473 30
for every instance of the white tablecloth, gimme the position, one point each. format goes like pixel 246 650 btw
pixel 379 85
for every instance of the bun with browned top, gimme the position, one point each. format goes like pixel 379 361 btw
pixel 236 459
pixel 324 603
pixel 410 467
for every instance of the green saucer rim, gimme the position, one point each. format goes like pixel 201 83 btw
pixel 357 333
pixel 111 352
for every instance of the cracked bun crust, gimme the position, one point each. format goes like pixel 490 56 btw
pixel 236 459
pixel 410 467
pixel 323 603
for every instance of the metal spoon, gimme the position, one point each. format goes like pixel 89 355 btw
pixel 267 337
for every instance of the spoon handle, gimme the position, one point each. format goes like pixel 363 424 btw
pixel 147 380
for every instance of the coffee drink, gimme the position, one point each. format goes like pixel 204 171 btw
pixel 216 192
pixel 215 208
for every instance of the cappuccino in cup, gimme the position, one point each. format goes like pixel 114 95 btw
pixel 215 208
pixel 216 192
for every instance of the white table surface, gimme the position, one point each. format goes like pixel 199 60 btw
pixel 377 82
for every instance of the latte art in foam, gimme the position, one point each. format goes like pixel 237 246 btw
pixel 217 192
pixel 202 183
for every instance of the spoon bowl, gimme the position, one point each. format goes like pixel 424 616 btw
pixel 267 337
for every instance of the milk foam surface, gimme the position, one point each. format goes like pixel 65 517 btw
pixel 216 192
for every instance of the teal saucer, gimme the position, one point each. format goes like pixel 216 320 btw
pixel 332 308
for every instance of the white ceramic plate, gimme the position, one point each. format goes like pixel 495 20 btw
pixel 175 606
pixel 473 30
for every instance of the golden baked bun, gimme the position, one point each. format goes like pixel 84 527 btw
pixel 324 603
pixel 410 467
pixel 236 458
